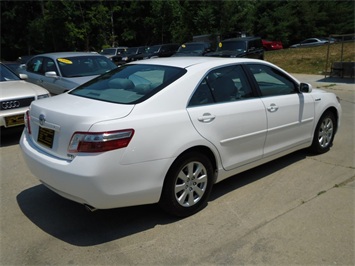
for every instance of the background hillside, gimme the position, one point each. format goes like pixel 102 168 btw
pixel 311 60
pixel 32 26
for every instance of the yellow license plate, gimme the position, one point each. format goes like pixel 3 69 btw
pixel 14 120
pixel 46 136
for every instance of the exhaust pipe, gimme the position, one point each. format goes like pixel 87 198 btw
pixel 89 208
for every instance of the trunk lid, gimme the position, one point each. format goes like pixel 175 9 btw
pixel 54 120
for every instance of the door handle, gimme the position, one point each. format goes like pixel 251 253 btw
pixel 206 118
pixel 273 108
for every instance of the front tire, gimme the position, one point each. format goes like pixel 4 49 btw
pixel 187 185
pixel 324 133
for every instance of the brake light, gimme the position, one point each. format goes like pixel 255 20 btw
pixel 27 121
pixel 100 141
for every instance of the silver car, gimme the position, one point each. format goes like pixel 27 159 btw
pixel 61 72
pixel 16 96
pixel 312 42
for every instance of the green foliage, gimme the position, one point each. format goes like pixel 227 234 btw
pixel 29 27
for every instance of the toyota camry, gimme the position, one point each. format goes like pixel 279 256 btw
pixel 166 130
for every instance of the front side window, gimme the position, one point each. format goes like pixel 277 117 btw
pixel 225 84
pixel 272 82
pixel 129 84
pixel 49 65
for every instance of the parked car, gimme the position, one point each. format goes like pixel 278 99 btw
pixel 128 55
pixel 61 72
pixel 23 59
pixel 312 42
pixel 160 50
pixel 165 130
pixel 13 65
pixel 111 52
pixel 272 45
pixel 16 96
pixel 193 49
pixel 250 47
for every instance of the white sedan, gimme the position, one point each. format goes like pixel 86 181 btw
pixel 165 130
pixel 16 96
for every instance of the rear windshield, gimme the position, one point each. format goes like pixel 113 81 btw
pixel 129 84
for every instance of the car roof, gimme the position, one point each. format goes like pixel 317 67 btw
pixel 186 61
pixel 68 54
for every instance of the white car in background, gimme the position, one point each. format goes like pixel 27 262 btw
pixel 63 71
pixel 16 96
pixel 165 130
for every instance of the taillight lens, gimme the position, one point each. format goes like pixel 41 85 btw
pixel 100 141
pixel 27 121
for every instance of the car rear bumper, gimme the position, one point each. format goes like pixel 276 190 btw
pixel 97 180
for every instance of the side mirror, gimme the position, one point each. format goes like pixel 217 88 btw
pixel 305 87
pixel 23 76
pixel 51 74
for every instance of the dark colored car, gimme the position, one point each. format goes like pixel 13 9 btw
pixel 160 50
pixel 250 47
pixel 193 49
pixel 128 55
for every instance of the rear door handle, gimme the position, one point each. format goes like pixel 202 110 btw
pixel 206 118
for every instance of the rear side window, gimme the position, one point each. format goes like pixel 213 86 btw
pixel 226 84
pixel 35 65
pixel 129 84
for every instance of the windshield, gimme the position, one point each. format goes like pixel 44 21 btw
pixel 239 46
pixel 153 49
pixel 191 48
pixel 6 74
pixel 129 84
pixel 131 50
pixel 108 51
pixel 82 66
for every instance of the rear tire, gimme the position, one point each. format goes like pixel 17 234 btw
pixel 324 133
pixel 187 185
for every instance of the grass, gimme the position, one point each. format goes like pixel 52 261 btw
pixel 311 60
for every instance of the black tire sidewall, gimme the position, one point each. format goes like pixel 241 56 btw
pixel 316 147
pixel 168 201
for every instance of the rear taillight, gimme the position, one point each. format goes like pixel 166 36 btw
pixel 100 141
pixel 27 121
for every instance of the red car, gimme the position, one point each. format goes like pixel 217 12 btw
pixel 272 45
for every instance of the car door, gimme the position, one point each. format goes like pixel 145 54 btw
pixel 225 111
pixel 51 83
pixel 290 114
pixel 34 70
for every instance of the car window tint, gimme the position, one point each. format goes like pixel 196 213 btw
pixel 225 84
pixel 129 84
pixel 81 66
pixel 35 65
pixel 6 74
pixel 271 81
pixel 49 65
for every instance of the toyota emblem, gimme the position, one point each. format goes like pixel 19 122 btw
pixel 42 119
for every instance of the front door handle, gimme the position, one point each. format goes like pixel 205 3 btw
pixel 273 108
pixel 206 118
